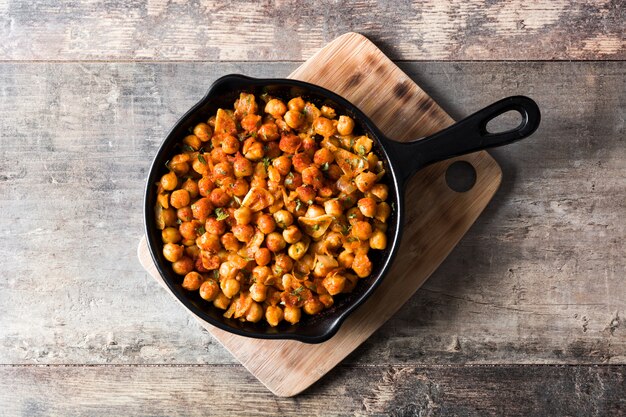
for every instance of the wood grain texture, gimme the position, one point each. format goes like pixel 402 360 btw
pixel 537 279
pixel 435 220
pixel 295 30
pixel 351 391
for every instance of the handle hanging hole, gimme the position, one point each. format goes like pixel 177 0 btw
pixel 505 122
pixel 461 176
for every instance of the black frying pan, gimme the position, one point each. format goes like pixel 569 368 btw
pixel 401 161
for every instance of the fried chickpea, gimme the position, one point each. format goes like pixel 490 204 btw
pixel 273 315
pixel 345 259
pixel 300 162
pixel 169 181
pixel 345 125
pixel 191 187
pixel 276 108
pixel 243 215
pixel 380 191
pixel 312 306
pixel 284 262
pixel 334 284
pixel 306 194
pixel 297 250
pixel 209 242
pixel 209 261
pixel 250 122
pixel 314 211
pixel 203 131
pixel 230 287
pixel 258 292
pixel 217 154
pixel 293 181
pixel 289 143
pixel 230 144
pixel 180 198
pixel 328 112
pixel 192 281
pixel 205 186
pixel 215 226
pixel 378 240
pixel 253 150
pixel 309 145
pixel 255 313
pixel 168 217
pixel 263 256
pixel 275 242
pixel 292 234
pixel 292 314
pixel 240 187
pixel 193 141
pixel 183 266
pixel 268 132
pixel 230 242
pixel 243 232
pixel 367 206
pixel 361 265
pixel 172 252
pixel 383 211
pixel 313 176
pixel 362 230
pixel 221 301
pixel 202 208
pixel 283 218
pixel 260 274
pixel 294 119
pixel 171 235
pixel 324 127
pixel 282 164
pixel 188 229
pixel 200 165
pixel 209 290
pixel 362 145
pixel 219 198
pixel 242 167
pixel 333 241
pixel 323 156
pixel 296 104
pixel 265 223
pixel 333 208
pixel 365 181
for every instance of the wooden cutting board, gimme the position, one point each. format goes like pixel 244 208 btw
pixel 436 216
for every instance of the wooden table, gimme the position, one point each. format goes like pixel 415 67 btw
pixel 525 317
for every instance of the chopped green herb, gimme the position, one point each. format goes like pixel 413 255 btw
pixel 316 227
pixel 216 274
pixel 221 214
pixel 393 205
pixel 200 230
pixel 352 215
pixel 361 149
pixel 179 221
pixel 188 148
pixel 278 270
pixel 266 162
pixel 190 129
pixel 325 166
pixel 309 202
pixel 298 204
pixel 254 134
pixel 351 142
pixel 345 229
pixel 237 199
pixel 353 239
pixel 248 259
pixel 201 159
pixel 297 292
pixel 167 164
pixel 289 180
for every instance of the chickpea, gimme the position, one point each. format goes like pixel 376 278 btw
pixel 323 156
pixel 345 259
pixel 217 154
pixel 180 198
pixel 296 104
pixel 294 119
pixel 170 235
pixel 301 161
pixel 168 216
pixel 362 230
pixel 263 256
pixel 365 181
pixel 324 127
pixel 202 208
pixel 243 215
pixel 284 262
pixel 203 132
pixel 192 281
pixel 215 226
pixel 200 165
pixel 191 187
pixel 314 211
pixel 333 208
pixel 273 175
pixel 289 143
pixel 293 181
pixel 172 252
pixel 292 234
pixel 230 144
pixel 334 284
pixel 297 250
pixel 283 218
pixel 243 232
pixel 230 242
pixel 221 301
pixel 383 211
pixel 312 306
pixel 209 242
pixel 255 313
pixel 242 167
pixel 309 145
pixel 240 187
pixel 328 112
pixel 276 108
pixel 265 223
pixel 250 122
pixel 209 290
pixel 179 164
pixel 188 229
pixel 183 266
pixel 282 164
pixel 268 132
pixel 313 176
pixel 275 242
pixel 372 161
pixel 367 206
pixel 273 315
pixel 193 141
pixel 345 125
pixel 169 181
pixel 219 198
pixel 379 191
pixel 209 261
pixel 272 150
pixel 253 150
pixel 362 145
pixel 333 241
pixel 205 186
pixel 378 240
pixel 292 314
pixel 306 194
pixel 361 265
pixel 230 287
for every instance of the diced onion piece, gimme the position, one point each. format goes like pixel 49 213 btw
pixel 257 199
pixel 315 226
pixel 225 122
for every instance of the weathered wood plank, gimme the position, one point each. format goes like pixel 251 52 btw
pixel 347 391
pixel 286 30
pixel 539 278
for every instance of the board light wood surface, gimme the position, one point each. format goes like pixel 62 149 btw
pixel 436 216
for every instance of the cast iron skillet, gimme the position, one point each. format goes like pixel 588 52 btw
pixel 401 161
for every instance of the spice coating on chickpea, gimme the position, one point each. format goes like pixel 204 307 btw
pixel 270 209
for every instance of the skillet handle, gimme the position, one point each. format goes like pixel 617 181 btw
pixel 467 136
